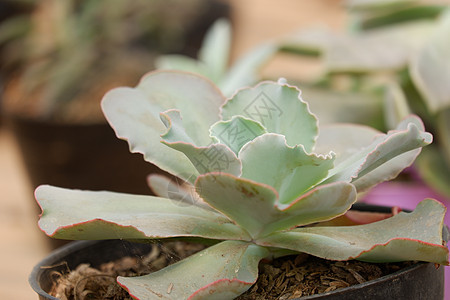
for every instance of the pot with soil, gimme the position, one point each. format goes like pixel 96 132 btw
pixel 89 269
pixel 256 186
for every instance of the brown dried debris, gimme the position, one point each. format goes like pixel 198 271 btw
pixel 296 276
pixel 283 278
pixel 86 282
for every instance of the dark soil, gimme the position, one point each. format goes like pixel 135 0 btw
pixel 86 282
pixel 292 277
pixel 283 278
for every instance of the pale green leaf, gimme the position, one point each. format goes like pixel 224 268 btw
pixel 342 107
pixel 396 106
pixel 269 160
pixel 222 271
pixel 134 115
pixel 312 40
pixel 75 214
pixel 368 51
pixel 279 108
pixel 255 207
pixel 215 50
pixel 236 132
pixel 209 158
pixel 386 172
pixel 403 237
pixel 181 63
pixel 370 5
pixel 430 68
pixel 175 189
pixel 434 169
pixel 408 136
pixel 443 132
pixel 245 71
pixel 345 140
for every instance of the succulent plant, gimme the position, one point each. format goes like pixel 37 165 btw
pixel 258 175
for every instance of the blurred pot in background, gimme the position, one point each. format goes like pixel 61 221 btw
pixel 58 62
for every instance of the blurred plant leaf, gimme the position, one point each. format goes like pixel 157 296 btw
pixel 371 5
pixel 401 14
pixel 395 106
pixel 343 107
pixel 430 68
pixel 367 52
pixel 215 50
pixel 434 169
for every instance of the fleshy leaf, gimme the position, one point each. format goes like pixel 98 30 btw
pixel 406 236
pixel 181 63
pixel 236 132
pixel 177 189
pixel 269 160
pixel 222 271
pixel 408 136
pixel 254 206
pixel 430 69
pixel 279 108
pixel 345 140
pixel 210 158
pixel 134 115
pixel 75 214
pixel 332 106
pixel 244 71
pixel 215 49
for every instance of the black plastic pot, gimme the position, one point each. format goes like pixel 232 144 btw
pixel 81 156
pixel 421 281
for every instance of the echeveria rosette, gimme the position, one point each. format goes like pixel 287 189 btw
pixel 263 173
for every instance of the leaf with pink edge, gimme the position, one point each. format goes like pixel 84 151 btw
pixel 405 236
pixel 236 132
pixel 284 167
pixel 175 189
pixel 385 157
pixel 75 214
pixel 279 108
pixel 209 158
pixel 255 207
pixel 134 114
pixel 222 271
pixel 345 140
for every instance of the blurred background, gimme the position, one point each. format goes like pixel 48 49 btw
pixel 365 61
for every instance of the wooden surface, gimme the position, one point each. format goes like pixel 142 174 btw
pixel 22 244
